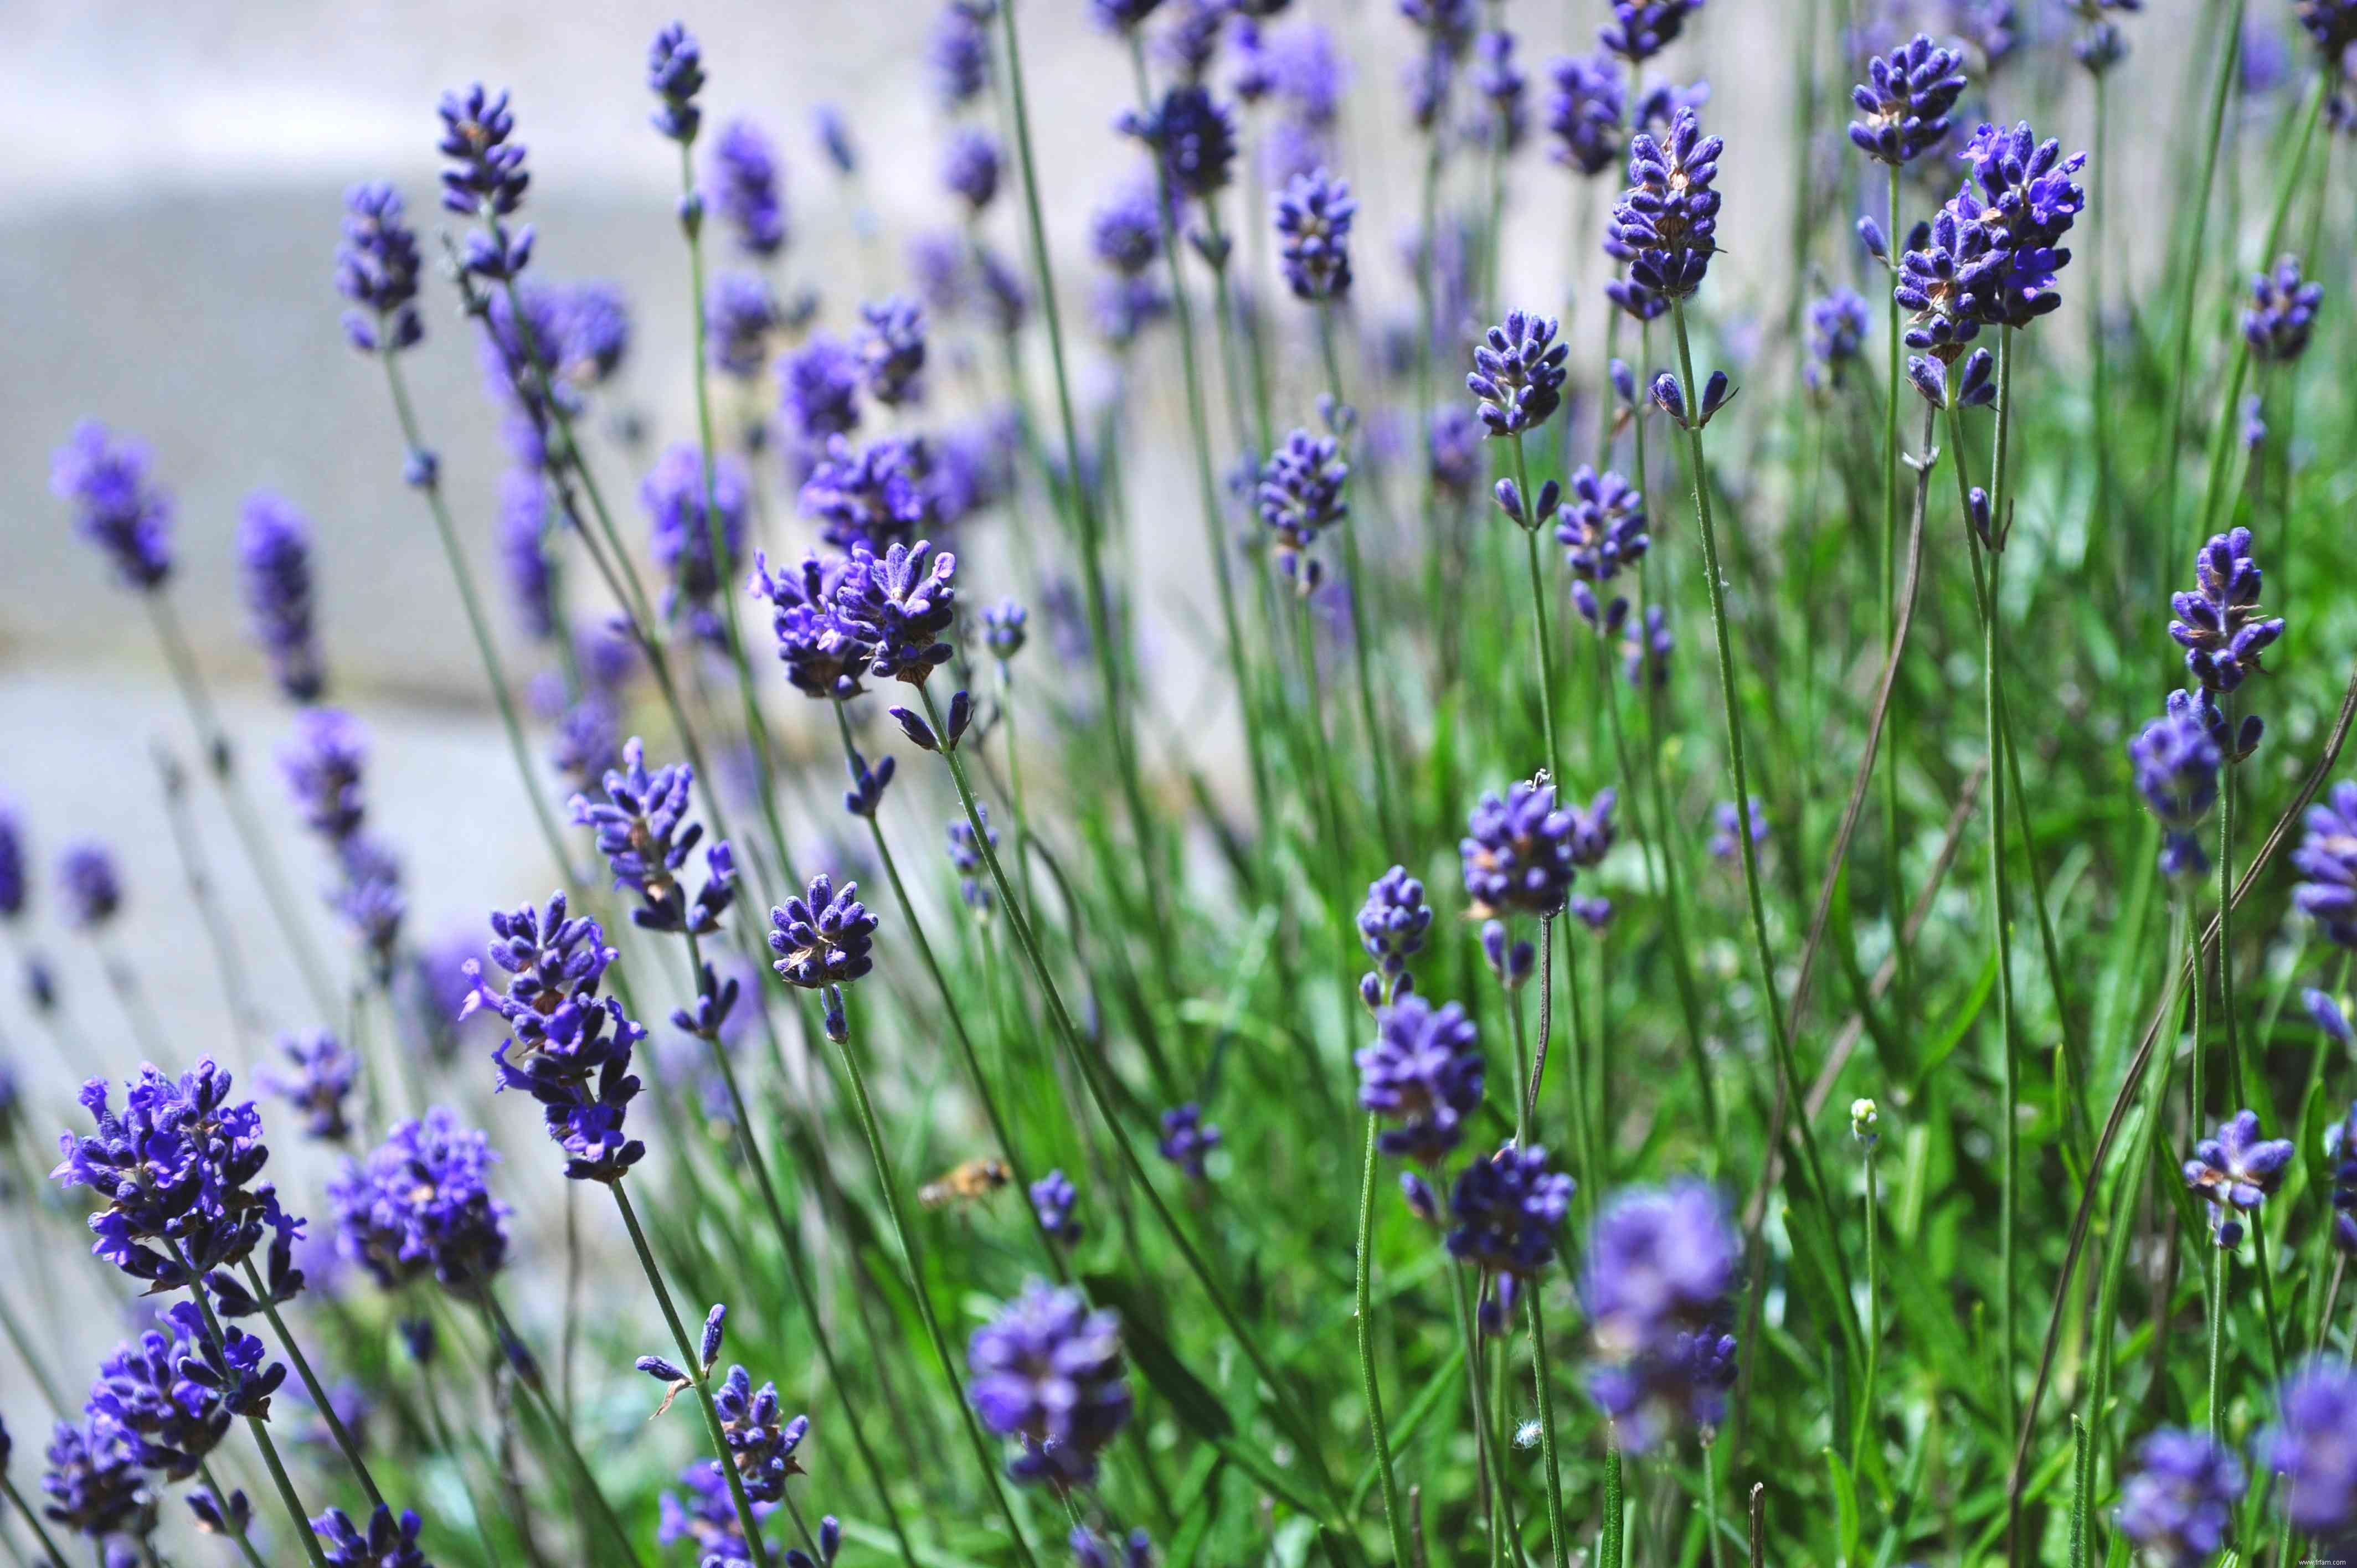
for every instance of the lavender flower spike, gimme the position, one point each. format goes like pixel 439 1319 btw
pixel 2218 624
pixel 1050 1371
pixel 116 506
pixel 1666 222
pixel 744 175
pixel 2281 313
pixel 1518 373
pixel 2178 1504
pixel 377 268
pixel 1424 1072
pixel 273 547
pixel 2176 763
pixel 1313 227
pixel 2326 862
pixel 1640 29
pixel 2312 1446
pixel 1906 100
pixel 2235 1171
pixel 675 75
pixel 1507 1209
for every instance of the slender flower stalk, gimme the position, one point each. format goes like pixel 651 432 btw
pixel 1098 608
pixel 1362 1308
pixel 1360 586
pixel 1293 1421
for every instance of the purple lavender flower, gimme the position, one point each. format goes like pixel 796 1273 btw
pixel 680 532
pixel 376 268
pixel 643 832
pixel 2326 862
pixel 970 168
pixel 1004 301
pixel 2340 1138
pixel 324 764
pixel 1906 99
pixel 1665 223
pixel 116 506
pixel 1661 1268
pixel 823 937
pixel 572 1046
pixel 1640 29
pixel 893 349
pixel 2178 1504
pixel 14 889
pixel 594 336
pixel 1004 631
pixel 1837 329
pixel 274 548
pixel 485 178
pixel 745 179
pixel 1122 16
pixel 1424 1071
pixel 1518 373
pixel 2218 623
pixel 171 1422
pixel 173 1169
pixel 90 890
pixel 1601 526
pixel 1187 1139
pixel 834 133
pixel 740 313
pixel 1507 1209
pixel 819 389
pixel 707 1516
pixel 1313 227
pixel 323 1075
pixel 1194 137
pixel 1447 24
pixel 2282 313
pixel 1453 451
pixel 1126 232
pixel 1517 853
pixel 1587 113
pixel 1088 1551
pixel 1050 1371
pixel 385 1545
pixel 2312 1445
pixel 823 656
pixel 1503 85
pixel 1994 254
pixel 1192 41
pixel 1392 926
pixel 1683 1380
pixel 958 54
pixel 420 1205
pixel 868 496
pixel 760 1443
pixel 2332 23
pixel 1299 494
pixel 675 75
pixel 2176 763
pixel 900 604
pixel 2234 1171
pixel 1726 825
pixel 94 1485
pixel 1054 1199
pixel 588 739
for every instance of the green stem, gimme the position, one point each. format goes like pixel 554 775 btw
pixel 1361 586
pixel 1485 1457
pixel 1364 1311
pixel 312 1386
pixel 220 763
pixel 40 1531
pixel 1762 958
pixel 693 1364
pixel 1865 1427
pixel 1710 1494
pixel 1083 501
pixel 534 1388
pixel 1894 836
pixel 24 1349
pixel 2217 1332
pixel 2234 1089
pixel 1608 1549
pixel 1543 643
pixel 1289 1416
pixel 2181 355
pixel 913 1256
pixel 486 648
pixel 1558 1536
pixel 236 1532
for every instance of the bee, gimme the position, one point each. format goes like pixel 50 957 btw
pixel 969 1183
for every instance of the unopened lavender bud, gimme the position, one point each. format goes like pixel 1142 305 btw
pixel 1715 394
pixel 838 1027
pixel 1550 497
pixel 1863 1118
pixel 960 715
pixel 1670 397
pixel 1979 388
pixel 423 471
pixel 1510 501
pixel 1087 1550
pixel 1929 378
pixel 1977 505
pixel 1370 993
pixel 829 1539
pixel 1421 1200
pixel 660 1370
pixel 914 726
pixel 1869 234
pixel 1339 417
pixel 691 213
pixel 709 1351
pixel 1919 238
pixel 1624 381
pixel 1212 248
pixel 1510 961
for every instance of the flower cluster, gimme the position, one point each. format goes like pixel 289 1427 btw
pixel 325 1073
pixel 2282 313
pixel 325 766
pixel 740 313
pixel 707 1516
pixel 90 890
pixel 1518 373
pixel 1187 1139
pixel 760 1443
pixel 273 552
pixel 1991 256
pixel 819 389
pixel 421 1204
pixel 568 1048
pixel 643 832
pixel 1517 852
pixel 175 1173
pixel 485 178
pixel 1053 1200
pixel 966 856
pixel 1050 1371
pixel 745 185
pixel 1424 1071
pixel 1640 29
pixel 2177 762
pixel 1587 114
pixel 2326 863
pixel 868 496
pixel 1193 137
pixel 1601 526
pixel 2234 1171
pixel 1661 1271
pixel 94 1485
pixel 1313 228
pixel 386 1543
pixel 1837 329
pixel 2218 623
pixel 1906 99
pixel 1505 1211
pixel 675 75
pixel 2178 1503
pixel 377 267
pixel 116 506
pixel 1391 925
pixel 970 170
pixel 1665 223
pixel 1300 493
pixel 893 349
pixel 2312 1447
pixel 683 530
pixel 823 937
pixel 173 1392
